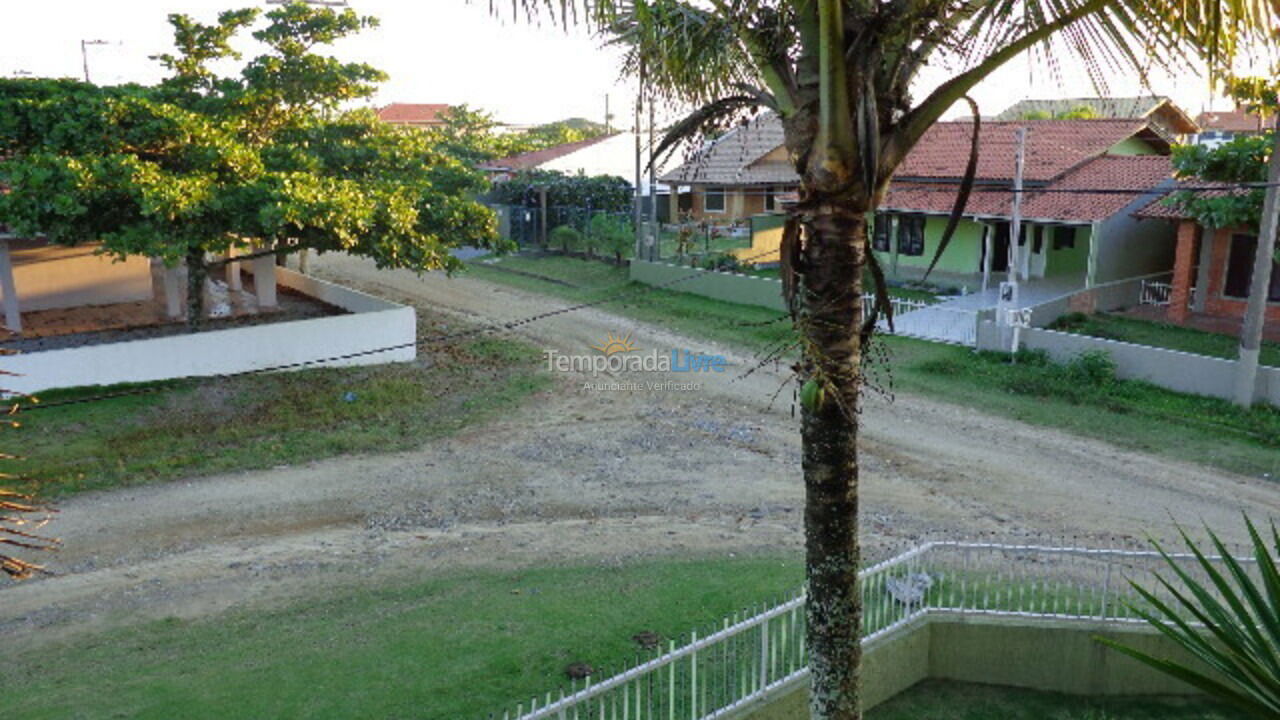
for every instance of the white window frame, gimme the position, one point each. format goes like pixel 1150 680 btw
pixel 715 190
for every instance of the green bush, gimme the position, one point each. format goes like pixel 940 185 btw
pixel 722 262
pixel 612 234
pixel 1093 367
pixel 565 238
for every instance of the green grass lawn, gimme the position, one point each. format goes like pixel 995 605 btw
pixel 936 700
pixel 1158 334
pixel 1125 413
pixel 452 647
pixel 197 427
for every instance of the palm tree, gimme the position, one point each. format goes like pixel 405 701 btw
pixel 839 74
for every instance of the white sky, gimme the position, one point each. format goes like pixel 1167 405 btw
pixel 450 51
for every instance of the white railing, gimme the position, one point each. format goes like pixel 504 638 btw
pixel 748 658
pixel 1155 292
pixel 928 321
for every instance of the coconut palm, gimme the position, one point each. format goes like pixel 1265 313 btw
pixel 839 74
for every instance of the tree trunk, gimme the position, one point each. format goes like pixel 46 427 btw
pixel 830 323
pixel 197 273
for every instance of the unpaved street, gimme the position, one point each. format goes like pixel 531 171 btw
pixel 585 475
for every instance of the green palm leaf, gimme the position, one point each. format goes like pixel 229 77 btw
pixel 1236 623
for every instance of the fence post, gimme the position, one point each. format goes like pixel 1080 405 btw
pixel 764 655
pixel 693 678
pixel 1106 589
pixel 671 686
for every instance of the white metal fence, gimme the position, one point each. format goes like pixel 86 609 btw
pixel 1156 291
pixel 928 321
pixel 714 675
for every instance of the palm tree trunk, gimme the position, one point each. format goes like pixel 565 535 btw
pixel 830 324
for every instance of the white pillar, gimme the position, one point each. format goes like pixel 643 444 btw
pixel 9 290
pixel 233 271
pixel 304 261
pixel 173 290
pixel 1202 272
pixel 264 279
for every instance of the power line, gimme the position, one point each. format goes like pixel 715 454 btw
pixel 160 386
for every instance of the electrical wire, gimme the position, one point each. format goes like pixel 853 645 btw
pixel 160 386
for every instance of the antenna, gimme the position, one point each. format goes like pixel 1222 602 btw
pixel 84 54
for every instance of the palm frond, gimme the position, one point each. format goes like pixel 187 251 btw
pixel 1229 622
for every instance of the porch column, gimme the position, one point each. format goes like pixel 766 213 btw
pixel 233 272
pixel 1091 271
pixel 1202 273
pixel 173 287
pixel 264 279
pixel 9 289
pixel 1183 261
pixel 987 250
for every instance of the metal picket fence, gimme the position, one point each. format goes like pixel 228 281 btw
pixel 748 658
pixel 929 321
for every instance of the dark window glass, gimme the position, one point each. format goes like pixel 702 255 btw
pixel 713 201
pixel 1022 236
pixel 911 234
pixel 880 233
pixel 1064 237
pixel 1037 239
pixel 1240 269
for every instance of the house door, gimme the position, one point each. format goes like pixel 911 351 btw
pixel 999 249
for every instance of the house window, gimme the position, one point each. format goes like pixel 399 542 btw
pixel 1037 239
pixel 1240 269
pixel 713 200
pixel 911 235
pixel 880 233
pixel 1064 237
pixel 770 199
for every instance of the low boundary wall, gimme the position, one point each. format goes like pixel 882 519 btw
pixel 1172 369
pixel 373 323
pixel 729 287
pixel 1051 655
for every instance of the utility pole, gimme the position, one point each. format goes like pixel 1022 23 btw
pixel 1007 303
pixel 637 208
pixel 1255 313
pixel 608 116
pixel 84 54
pixel 653 188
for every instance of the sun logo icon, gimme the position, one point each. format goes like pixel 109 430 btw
pixel 614 344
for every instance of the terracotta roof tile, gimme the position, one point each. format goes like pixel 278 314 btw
pixel 1053 147
pixel 1108 172
pixel 413 113
pixel 1231 121
pixel 529 160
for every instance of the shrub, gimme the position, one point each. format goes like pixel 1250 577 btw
pixel 1093 367
pixel 566 238
pixel 611 233
pixel 722 262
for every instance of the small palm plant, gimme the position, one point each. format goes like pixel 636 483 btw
pixel 1231 623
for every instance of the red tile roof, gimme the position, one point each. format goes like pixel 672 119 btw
pixel 412 113
pixel 529 160
pixel 1232 121
pixel 1157 209
pixel 1121 173
pixel 1053 147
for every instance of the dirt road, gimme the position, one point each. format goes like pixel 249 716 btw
pixel 581 474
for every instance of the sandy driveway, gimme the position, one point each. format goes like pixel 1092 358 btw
pixel 586 475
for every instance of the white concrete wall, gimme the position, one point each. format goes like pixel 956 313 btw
pixel 1128 246
pixel 317 342
pixel 1171 369
pixel 54 276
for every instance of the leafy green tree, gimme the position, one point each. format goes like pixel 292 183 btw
pixel 613 234
pixel 203 163
pixel 841 74
pixel 566 237
pixel 473 135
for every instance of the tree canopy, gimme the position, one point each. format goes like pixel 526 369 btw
pixel 473 135
pixel 202 162
pixel 1243 159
